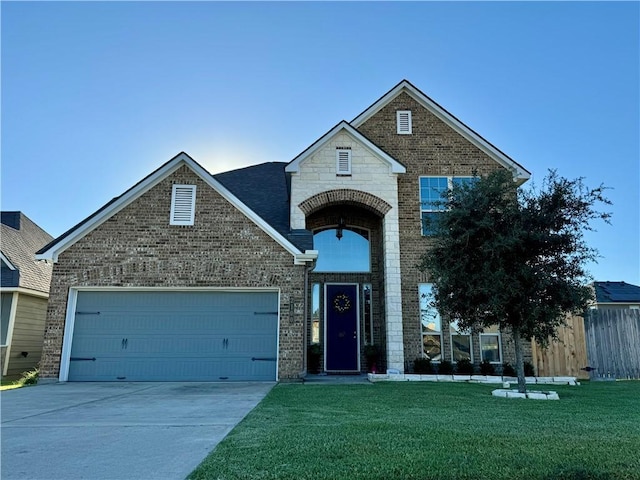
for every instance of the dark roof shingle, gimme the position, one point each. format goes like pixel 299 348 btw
pixel 20 240
pixel 264 188
pixel 616 292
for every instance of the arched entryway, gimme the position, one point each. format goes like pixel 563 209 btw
pixel 346 318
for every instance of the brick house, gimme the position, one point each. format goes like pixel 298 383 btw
pixel 193 276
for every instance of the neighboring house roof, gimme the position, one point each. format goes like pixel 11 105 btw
pixel 394 165
pixel 64 241
pixel 616 292
pixel 20 239
pixel 494 152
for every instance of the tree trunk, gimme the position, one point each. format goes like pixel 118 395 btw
pixel 517 341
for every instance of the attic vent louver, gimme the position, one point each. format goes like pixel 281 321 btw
pixel 183 203
pixel 404 122
pixel 343 161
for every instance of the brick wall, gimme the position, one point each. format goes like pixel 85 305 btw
pixel 433 149
pixel 137 247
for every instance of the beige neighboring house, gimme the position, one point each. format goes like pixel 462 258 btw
pixel 25 293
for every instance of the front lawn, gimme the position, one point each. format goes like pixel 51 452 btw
pixel 433 431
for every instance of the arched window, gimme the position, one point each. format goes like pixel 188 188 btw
pixel 342 250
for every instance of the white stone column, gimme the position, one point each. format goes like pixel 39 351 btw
pixel 393 290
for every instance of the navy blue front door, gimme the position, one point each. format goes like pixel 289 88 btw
pixel 341 346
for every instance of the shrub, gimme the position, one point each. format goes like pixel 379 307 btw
pixel 529 371
pixel 487 368
pixel 465 367
pixel 445 368
pixel 508 370
pixel 422 366
pixel 29 378
pixel 372 355
pixel 314 353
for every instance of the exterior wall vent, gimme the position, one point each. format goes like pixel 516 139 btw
pixel 343 161
pixel 404 122
pixel 183 205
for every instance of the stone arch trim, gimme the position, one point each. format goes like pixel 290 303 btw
pixel 347 197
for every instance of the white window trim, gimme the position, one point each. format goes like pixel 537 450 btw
pixel 368 335
pixel 190 209
pixel 451 335
pixel 449 187
pixel 499 335
pixel 434 334
pixel 409 128
pixel 339 162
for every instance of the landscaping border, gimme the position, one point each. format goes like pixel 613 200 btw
pixel 411 377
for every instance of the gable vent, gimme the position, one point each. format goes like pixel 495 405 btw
pixel 404 122
pixel 183 205
pixel 343 161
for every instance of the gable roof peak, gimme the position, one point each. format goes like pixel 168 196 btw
pixel 57 246
pixel 519 172
pixel 294 165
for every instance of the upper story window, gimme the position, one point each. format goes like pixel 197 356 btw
pixel 183 205
pixel 403 118
pixel 342 249
pixel 431 190
pixel 343 161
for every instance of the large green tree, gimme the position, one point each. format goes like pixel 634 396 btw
pixel 514 257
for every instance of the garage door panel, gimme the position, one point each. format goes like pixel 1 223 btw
pixel 173 336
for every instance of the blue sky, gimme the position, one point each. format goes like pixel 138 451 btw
pixel 97 95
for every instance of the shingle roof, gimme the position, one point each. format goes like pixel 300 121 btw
pixel 264 188
pixel 616 292
pixel 20 240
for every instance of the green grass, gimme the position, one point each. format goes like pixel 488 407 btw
pixel 10 384
pixel 433 431
pixel 27 378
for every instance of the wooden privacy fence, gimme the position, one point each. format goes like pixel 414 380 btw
pixel 566 356
pixel 613 343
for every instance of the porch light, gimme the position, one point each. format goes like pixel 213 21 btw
pixel 341 226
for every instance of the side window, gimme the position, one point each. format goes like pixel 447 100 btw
pixel 315 313
pixel 431 324
pixel 183 205
pixel 460 343
pixel 491 345
pixel 366 313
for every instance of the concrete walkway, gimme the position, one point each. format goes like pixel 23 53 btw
pixel 114 431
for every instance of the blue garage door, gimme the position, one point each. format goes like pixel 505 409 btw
pixel 174 336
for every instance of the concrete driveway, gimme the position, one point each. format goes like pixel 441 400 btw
pixel 118 430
